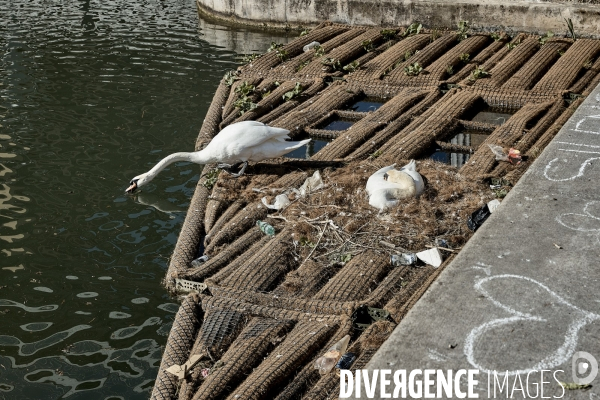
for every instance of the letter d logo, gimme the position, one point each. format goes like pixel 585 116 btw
pixel 584 363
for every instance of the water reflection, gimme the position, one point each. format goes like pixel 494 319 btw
pixel 366 105
pixel 93 93
pixel 338 125
pixel 492 116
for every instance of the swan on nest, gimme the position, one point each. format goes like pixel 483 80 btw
pixel 237 143
pixel 388 185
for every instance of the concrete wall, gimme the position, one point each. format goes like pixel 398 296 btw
pixel 509 15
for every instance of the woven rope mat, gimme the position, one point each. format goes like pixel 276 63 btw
pixel 275 304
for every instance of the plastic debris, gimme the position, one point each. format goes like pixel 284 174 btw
pixel 442 243
pixel 493 205
pixel 281 202
pixel 199 261
pixel 364 316
pixel 310 46
pixel 514 156
pixel 345 362
pixel 180 371
pixel 403 259
pixel 183 285
pixel 311 184
pixel 431 257
pixel 499 152
pixel 329 360
pixel 499 182
pixel 265 228
pixel 478 218
pixel 205 372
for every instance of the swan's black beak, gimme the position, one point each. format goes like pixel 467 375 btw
pixel 131 188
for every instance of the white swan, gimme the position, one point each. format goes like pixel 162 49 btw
pixel 240 142
pixel 387 185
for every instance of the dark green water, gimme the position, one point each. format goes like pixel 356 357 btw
pixel 94 93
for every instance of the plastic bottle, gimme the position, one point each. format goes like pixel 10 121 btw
pixel 199 261
pixel 265 228
pixel 403 259
pixel 326 363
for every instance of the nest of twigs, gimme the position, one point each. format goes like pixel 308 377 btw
pixel 335 223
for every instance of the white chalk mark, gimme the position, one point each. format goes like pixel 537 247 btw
pixel 483 264
pixel 578 125
pixel 484 267
pixel 579 144
pixel 581 151
pixel 556 358
pixel 437 356
pixel 487 270
pixel 587 218
pixel 579 173
pixel 579 229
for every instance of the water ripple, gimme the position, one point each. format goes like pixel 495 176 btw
pixel 27 349
pixel 130 331
pixel 36 326
pixel 93 93
pixel 10 303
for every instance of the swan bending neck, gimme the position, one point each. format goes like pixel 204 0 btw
pixel 168 160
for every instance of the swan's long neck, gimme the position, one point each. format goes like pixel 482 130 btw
pixel 196 157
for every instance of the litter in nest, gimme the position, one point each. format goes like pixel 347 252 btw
pixel 431 257
pixel 329 360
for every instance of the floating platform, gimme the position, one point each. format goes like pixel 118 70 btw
pixel 264 308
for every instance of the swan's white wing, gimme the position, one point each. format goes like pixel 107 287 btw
pixel 376 180
pixel 384 170
pixel 252 133
pixel 411 166
pixel 271 149
pixel 234 141
pixel 411 169
pixel 380 200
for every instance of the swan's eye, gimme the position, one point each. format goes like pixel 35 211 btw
pixel 385 176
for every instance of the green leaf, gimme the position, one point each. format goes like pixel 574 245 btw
pixel 413 69
pixel 413 29
pixel 463 28
pixel 274 46
pixel 230 78
pixel 389 34
pixel 571 28
pixel 211 178
pixel 353 66
pixel 294 92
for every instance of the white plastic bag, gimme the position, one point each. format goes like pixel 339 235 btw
pixel 309 46
pixel 499 152
pixel 311 184
pixel 281 202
